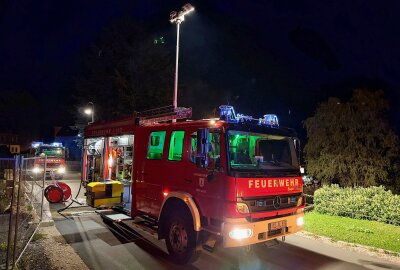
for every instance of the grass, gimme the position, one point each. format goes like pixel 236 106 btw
pixel 3 246
pixel 38 236
pixel 29 208
pixel 364 232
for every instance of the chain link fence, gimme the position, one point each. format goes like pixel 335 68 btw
pixel 21 205
pixel 7 186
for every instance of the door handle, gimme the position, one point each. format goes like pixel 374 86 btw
pixel 188 180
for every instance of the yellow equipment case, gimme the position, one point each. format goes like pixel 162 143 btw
pixel 104 193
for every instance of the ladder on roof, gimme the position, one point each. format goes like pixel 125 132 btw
pixel 162 114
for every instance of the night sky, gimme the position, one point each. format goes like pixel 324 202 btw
pixel 277 56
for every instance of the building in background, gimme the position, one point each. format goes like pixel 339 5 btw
pixel 11 141
pixel 71 139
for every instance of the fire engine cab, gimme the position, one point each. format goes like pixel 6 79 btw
pixel 55 158
pixel 232 181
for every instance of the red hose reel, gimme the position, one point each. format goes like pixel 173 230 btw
pixel 58 192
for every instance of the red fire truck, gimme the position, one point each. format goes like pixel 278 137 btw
pixel 55 161
pixel 233 181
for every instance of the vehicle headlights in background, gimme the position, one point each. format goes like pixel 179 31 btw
pixel 36 170
pixel 61 170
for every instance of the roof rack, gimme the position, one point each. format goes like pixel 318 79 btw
pixel 162 114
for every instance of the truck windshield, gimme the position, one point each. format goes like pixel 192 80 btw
pixel 57 152
pixel 254 151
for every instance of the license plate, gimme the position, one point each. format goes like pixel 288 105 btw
pixel 276 225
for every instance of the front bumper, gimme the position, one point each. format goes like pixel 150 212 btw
pixel 55 173
pixel 260 229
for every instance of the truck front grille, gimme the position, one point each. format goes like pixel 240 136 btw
pixel 53 165
pixel 271 203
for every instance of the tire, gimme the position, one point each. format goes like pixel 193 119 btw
pixel 181 238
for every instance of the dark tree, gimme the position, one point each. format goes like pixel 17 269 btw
pixel 126 71
pixel 351 142
pixel 20 113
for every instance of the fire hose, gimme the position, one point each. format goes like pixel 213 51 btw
pixel 60 192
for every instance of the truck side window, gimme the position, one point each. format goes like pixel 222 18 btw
pixel 214 147
pixel 176 145
pixel 156 145
pixel 193 147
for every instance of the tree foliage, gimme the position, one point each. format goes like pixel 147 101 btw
pixel 351 143
pixel 126 71
pixel 20 112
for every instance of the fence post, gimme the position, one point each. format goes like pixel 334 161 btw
pixel 17 213
pixel 43 185
pixel 8 255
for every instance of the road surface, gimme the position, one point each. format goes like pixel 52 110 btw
pixel 100 249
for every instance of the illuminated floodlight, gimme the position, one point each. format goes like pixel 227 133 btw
pixel 178 18
pixel 186 9
pixel 88 111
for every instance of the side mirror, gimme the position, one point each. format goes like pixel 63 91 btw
pixel 296 143
pixel 297 147
pixel 202 147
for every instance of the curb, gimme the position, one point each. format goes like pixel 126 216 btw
pixel 378 252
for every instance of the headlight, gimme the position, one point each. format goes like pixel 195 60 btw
pixel 239 234
pixel 242 208
pixel 61 170
pixel 36 170
pixel 300 221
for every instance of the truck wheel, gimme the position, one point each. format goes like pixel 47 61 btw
pixel 181 239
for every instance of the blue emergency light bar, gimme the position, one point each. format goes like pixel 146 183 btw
pixel 269 119
pixel 227 113
pixel 57 144
pixel 37 144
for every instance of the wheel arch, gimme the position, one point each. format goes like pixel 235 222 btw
pixel 183 198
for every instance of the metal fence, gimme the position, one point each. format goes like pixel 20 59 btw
pixel 309 202
pixel 21 205
pixel 7 186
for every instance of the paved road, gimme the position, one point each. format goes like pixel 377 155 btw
pixel 72 176
pixel 101 249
